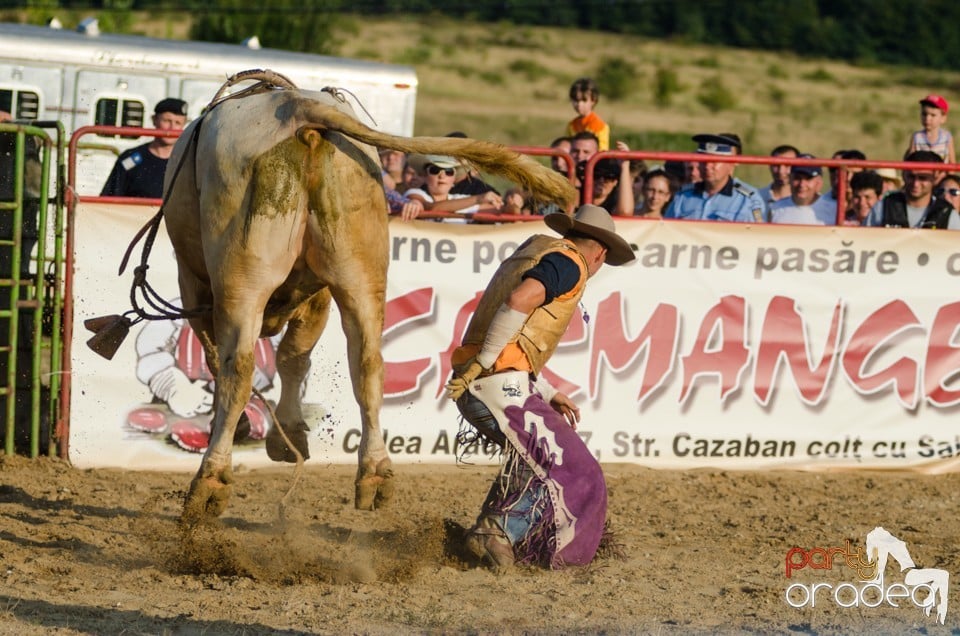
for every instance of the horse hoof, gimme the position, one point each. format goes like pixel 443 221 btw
pixel 207 499
pixel 277 448
pixel 375 488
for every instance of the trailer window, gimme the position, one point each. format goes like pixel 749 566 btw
pixel 119 112
pixel 21 104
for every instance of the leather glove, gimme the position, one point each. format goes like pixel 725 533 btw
pixel 457 385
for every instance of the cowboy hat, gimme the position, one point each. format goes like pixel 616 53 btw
pixel 421 161
pixel 594 222
pixel 889 174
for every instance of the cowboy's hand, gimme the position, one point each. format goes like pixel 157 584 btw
pixel 457 385
pixel 563 405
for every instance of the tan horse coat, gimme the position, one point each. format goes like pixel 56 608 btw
pixel 278 207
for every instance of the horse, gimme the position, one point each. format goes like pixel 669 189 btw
pixel 275 206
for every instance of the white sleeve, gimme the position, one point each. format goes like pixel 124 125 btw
pixel 505 325
pixel 546 389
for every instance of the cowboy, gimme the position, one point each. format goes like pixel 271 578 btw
pixel 548 504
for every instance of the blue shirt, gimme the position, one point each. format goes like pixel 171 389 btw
pixel 557 272
pixel 736 201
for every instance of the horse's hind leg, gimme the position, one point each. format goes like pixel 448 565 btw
pixel 293 363
pixel 362 316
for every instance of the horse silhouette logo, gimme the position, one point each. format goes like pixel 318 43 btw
pixel 881 546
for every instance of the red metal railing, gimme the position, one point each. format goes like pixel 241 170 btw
pixel 72 198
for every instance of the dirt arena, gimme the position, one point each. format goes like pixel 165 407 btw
pixel 99 552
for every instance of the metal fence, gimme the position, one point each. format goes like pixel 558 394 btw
pixel 32 257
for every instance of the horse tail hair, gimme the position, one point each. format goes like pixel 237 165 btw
pixel 544 183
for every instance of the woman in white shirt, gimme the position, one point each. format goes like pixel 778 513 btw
pixel 439 176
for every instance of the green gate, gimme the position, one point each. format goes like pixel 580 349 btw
pixel 31 285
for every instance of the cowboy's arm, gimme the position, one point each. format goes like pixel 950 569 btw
pixel 508 320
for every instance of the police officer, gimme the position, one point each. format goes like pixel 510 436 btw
pixel 139 171
pixel 718 196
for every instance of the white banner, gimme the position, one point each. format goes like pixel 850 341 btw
pixel 725 345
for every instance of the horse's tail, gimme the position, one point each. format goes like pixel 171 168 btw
pixel 544 183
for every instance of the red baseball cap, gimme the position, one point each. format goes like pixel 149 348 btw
pixel 937 102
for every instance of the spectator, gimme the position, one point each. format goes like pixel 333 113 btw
pixel 411 175
pixel 584 96
pixel 849 171
pixel 587 146
pixel 583 146
pixel 719 196
pixel 949 190
pixel 139 171
pixel 612 189
pixel 677 171
pixel 638 172
pixel 933 137
pixel 914 205
pixel 658 190
pixel 515 202
pixel 468 180
pixel 779 187
pixel 435 195
pixel 692 172
pixel 866 189
pixel 404 206
pixel 393 162
pixel 891 180
pixel 560 163
pixel 805 206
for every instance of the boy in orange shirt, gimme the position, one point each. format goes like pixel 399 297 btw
pixel 584 95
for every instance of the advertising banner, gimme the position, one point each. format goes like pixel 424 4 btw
pixel 725 345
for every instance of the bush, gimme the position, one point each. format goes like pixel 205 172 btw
pixel 659 140
pixel 615 77
pixel 415 55
pixel 715 95
pixel 528 68
pixel 777 95
pixel 871 128
pixel 776 72
pixel 665 84
pixel 819 75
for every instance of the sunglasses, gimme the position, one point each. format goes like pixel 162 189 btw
pixel 954 192
pixel 434 170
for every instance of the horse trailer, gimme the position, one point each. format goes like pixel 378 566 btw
pixel 84 78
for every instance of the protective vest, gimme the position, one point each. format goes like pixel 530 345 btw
pixel 937 214
pixel 536 341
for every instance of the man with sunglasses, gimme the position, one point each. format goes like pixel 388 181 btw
pixel 718 196
pixel 914 205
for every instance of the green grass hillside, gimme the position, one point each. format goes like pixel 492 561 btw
pixel 509 84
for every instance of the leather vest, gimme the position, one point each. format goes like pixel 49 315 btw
pixel 545 326
pixel 937 214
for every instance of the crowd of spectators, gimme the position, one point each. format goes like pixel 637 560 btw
pixel 800 194
pixel 699 190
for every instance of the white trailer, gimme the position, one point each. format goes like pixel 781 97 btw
pixel 84 78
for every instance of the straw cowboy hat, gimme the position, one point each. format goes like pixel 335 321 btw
pixel 889 174
pixel 421 161
pixel 594 222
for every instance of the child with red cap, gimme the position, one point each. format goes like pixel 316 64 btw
pixel 933 115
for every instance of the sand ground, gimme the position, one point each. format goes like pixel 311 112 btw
pixel 100 552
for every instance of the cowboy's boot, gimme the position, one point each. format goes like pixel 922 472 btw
pixel 490 545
